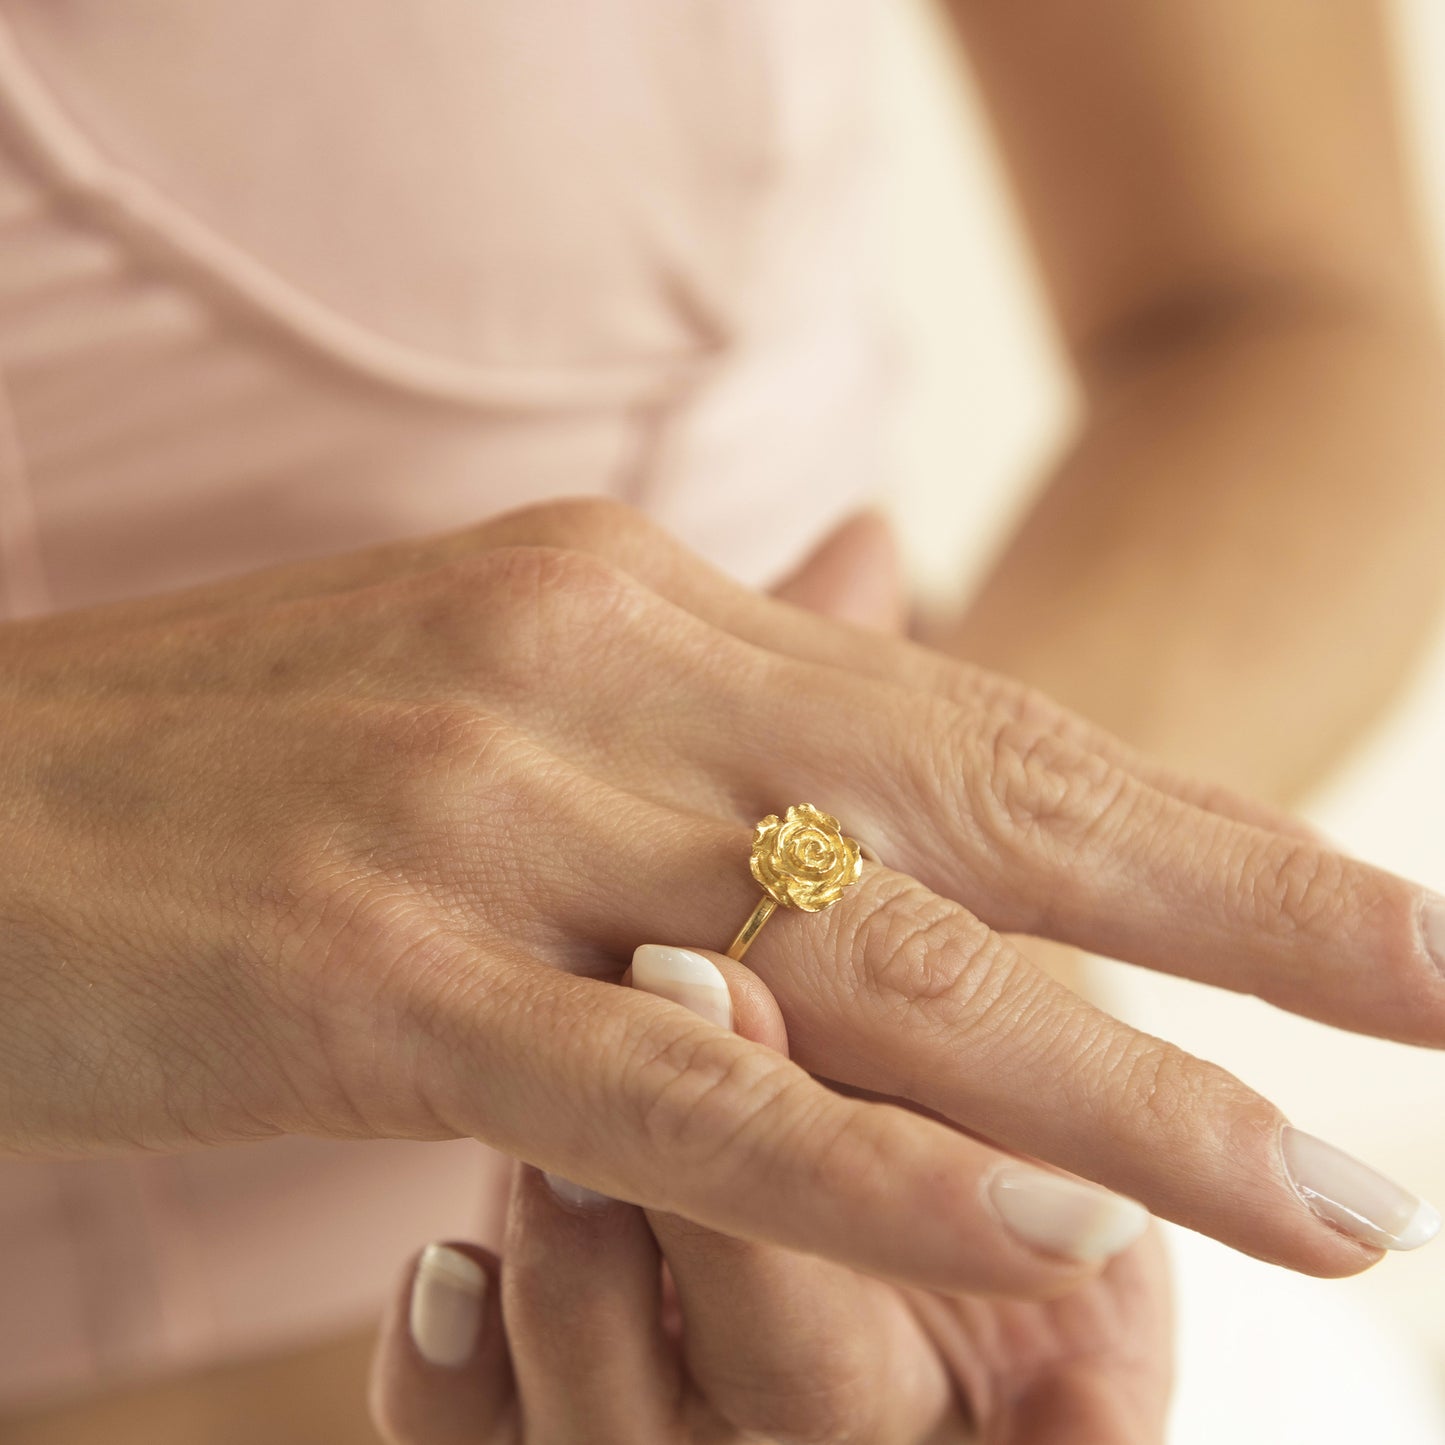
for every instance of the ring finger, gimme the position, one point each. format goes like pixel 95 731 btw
pixel 900 992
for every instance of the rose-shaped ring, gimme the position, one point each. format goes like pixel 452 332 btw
pixel 802 861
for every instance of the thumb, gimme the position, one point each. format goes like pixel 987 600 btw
pixel 855 574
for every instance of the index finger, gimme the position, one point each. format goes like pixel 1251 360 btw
pixel 634 1097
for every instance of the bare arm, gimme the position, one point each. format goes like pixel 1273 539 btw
pixel 1237 562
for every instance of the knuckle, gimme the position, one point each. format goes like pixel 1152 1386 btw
pixel 583 523
pixel 530 578
pixel 1038 789
pixel 933 965
pixel 701 1099
pixel 913 946
pixel 930 970
pixel 1017 704
pixel 519 613
pixel 600 526
pixel 545 609
pixel 506 606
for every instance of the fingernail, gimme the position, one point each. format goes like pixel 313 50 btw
pixel 1432 928
pixel 1354 1197
pixel 575 1196
pixel 446 1305
pixel 1065 1216
pixel 686 978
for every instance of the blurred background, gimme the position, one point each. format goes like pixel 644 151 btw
pixel 984 403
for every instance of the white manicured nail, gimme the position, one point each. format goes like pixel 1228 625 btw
pixel 1064 1216
pixel 1353 1197
pixel 686 978
pixel 446 1305
pixel 576 1196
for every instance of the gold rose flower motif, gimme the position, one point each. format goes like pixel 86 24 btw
pixel 804 861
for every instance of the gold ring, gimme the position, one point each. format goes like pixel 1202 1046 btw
pixel 803 862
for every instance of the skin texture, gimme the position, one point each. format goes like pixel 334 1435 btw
pixel 1239 280
pixel 297 806
pixel 939 1012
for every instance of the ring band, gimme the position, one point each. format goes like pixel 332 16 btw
pixel 802 861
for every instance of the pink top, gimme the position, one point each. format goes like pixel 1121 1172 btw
pixel 279 281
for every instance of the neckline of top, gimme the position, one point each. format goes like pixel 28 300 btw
pixel 130 207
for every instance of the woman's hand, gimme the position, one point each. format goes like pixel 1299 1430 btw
pixel 576 1334
pixel 360 847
